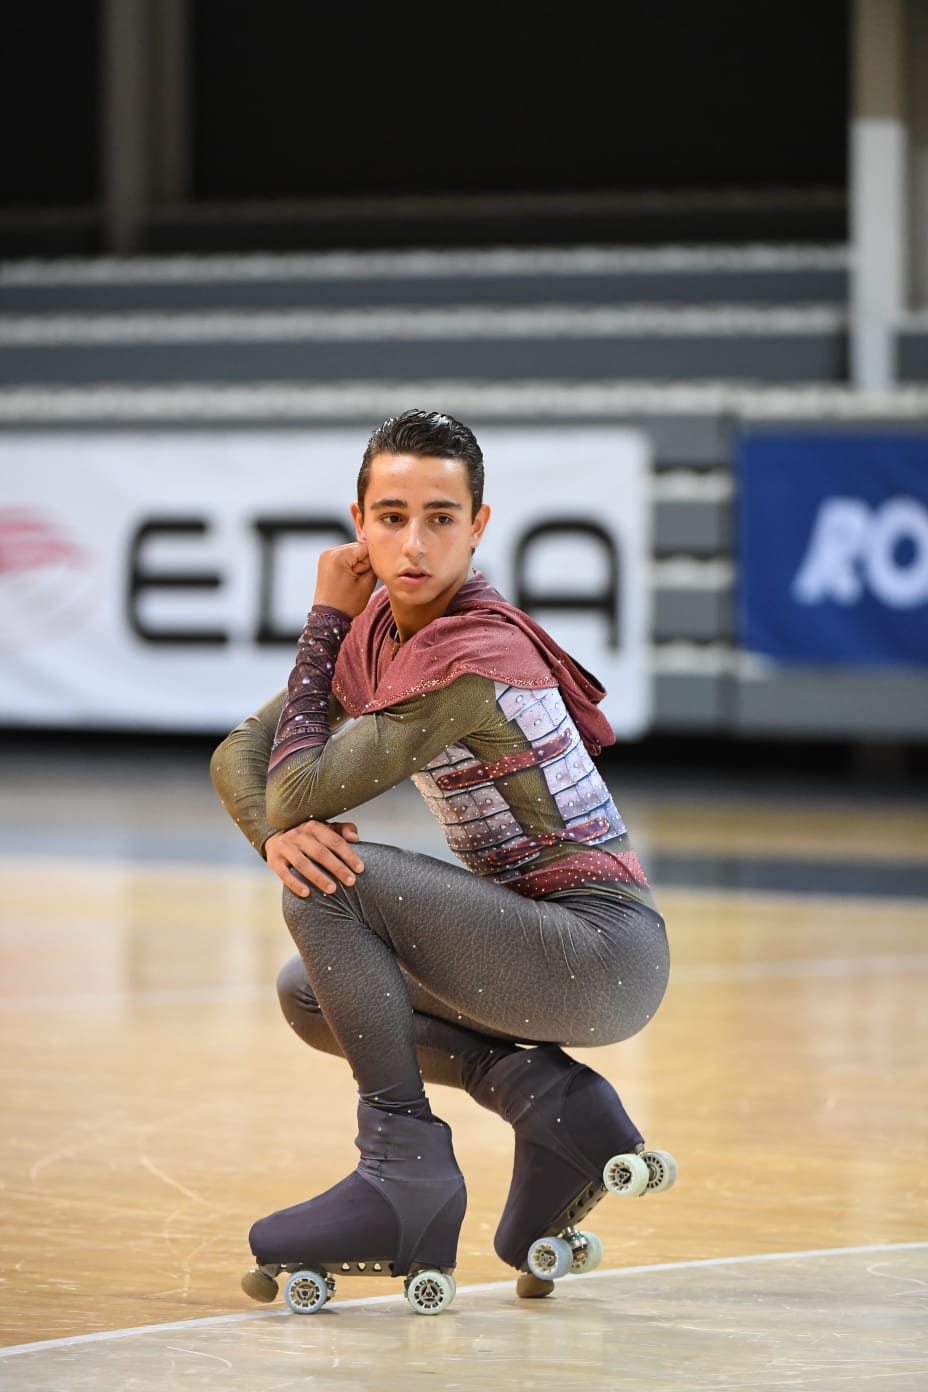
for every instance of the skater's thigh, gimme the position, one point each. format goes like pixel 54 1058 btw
pixel 584 969
pixel 293 989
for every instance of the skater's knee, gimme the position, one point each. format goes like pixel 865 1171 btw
pixel 295 906
pixel 302 1011
pixel 294 991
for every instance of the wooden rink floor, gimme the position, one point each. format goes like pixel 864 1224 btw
pixel 154 1103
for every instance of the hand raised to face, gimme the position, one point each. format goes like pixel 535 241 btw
pixel 345 579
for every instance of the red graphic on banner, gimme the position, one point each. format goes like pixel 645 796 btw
pixel 45 578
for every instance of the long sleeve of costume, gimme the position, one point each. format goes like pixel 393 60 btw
pixel 238 768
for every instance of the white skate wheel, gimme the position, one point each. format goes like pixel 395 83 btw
pixel 549 1258
pixel 430 1292
pixel 259 1285
pixel 626 1174
pixel 662 1168
pixel 306 1292
pixel 589 1256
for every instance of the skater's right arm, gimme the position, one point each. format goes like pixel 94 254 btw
pixel 239 766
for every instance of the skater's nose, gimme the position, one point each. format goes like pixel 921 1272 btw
pixel 413 544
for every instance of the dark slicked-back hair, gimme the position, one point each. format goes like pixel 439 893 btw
pixel 426 433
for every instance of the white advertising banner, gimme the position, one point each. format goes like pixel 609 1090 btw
pixel 159 580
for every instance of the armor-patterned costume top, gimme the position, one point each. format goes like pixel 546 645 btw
pixel 495 724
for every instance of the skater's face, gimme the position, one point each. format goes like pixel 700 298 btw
pixel 421 532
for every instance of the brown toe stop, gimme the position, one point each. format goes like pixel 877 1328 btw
pixel 529 1287
pixel 259 1285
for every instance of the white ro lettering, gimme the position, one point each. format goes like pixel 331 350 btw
pixel 854 546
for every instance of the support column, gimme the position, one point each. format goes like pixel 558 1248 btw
pixel 171 102
pixel 145 114
pixel 124 150
pixel 879 177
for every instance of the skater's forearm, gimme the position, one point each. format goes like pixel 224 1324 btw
pixel 238 769
pixel 239 765
pixel 305 721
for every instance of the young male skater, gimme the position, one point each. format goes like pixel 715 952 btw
pixel 413 969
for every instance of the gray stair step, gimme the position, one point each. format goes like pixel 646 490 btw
pixel 482 344
pixel 690 424
pixel 665 275
pixel 692 600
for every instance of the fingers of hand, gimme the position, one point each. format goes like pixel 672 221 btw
pixel 344 578
pixel 294 870
pixel 360 563
pixel 297 885
pixel 323 843
pixel 279 862
pixel 313 852
pixel 347 831
pixel 352 556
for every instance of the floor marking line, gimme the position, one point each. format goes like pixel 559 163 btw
pixel 103 1336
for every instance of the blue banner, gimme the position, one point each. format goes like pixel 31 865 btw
pixel 833 548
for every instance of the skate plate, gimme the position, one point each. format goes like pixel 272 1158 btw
pixel 562 1247
pixel 310 1286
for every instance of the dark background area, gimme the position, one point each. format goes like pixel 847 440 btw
pixel 416 98
pixel 49 83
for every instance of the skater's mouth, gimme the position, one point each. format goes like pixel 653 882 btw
pixel 413 574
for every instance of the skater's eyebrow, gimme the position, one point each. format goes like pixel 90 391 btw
pixel 439 503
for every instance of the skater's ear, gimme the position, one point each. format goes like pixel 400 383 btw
pixel 358 517
pixel 478 526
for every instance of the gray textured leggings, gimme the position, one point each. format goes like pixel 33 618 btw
pixel 422 970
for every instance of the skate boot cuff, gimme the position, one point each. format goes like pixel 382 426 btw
pixel 519 1081
pixel 403 1205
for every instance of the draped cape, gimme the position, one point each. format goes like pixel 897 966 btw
pixel 482 633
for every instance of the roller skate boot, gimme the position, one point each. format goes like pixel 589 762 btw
pixel 398 1214
pixel 575 1143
